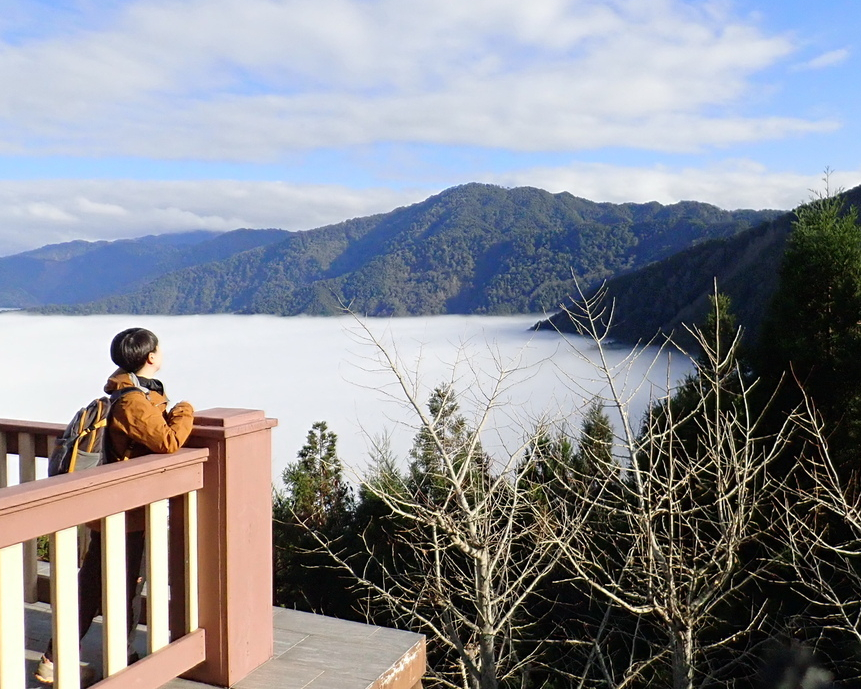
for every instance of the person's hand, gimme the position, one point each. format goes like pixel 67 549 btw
pixel 182 408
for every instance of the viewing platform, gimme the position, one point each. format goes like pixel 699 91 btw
pixel 209 615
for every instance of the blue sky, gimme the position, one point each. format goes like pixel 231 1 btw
pixel 123 118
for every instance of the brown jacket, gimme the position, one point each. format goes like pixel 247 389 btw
pixel 140 424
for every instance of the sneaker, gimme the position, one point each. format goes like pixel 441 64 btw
pixel 45 673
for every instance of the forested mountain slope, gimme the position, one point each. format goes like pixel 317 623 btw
pixel 80 271
pixel 661 296
pixel 470 249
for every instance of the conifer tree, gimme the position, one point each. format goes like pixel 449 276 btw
pixel 813 331
pixel 316 490
pixel 720 328
pixel 596 438
pixel 450 439
pixel 814 324
pixel 315 499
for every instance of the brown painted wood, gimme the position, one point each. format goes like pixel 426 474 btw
pixel 228 459
pixel 235 516
pixel 45 434
pixel 407 671
pixel 162 666
pixel 41 507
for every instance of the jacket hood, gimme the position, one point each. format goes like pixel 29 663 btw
pixel 122 379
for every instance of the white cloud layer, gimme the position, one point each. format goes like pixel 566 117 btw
pixel 35 213
pixel 341 379
pixel 255 79
pixel 730 185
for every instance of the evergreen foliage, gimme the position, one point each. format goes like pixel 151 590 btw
pixel 812 332
pixel 814 326
pixel 315 500
pixel 448 446
pixel 596 439
pixel 810 341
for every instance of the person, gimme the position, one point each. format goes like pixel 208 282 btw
pixel 139 423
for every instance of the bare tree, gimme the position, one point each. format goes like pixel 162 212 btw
pixel 660 522
pixel 681 504
pixel 463 555
pixel 822 542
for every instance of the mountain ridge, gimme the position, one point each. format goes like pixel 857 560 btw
pixel 474 248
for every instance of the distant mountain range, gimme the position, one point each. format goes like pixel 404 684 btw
pixel 79 272
pixel 662 296
pixel 471 249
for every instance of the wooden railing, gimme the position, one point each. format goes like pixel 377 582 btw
pixel 215 633
pixel 27 440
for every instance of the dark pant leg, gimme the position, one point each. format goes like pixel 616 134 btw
pixel 90 586
pixel 135 577
pixel 89 589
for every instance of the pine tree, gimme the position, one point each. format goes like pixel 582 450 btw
pixel 720 326
pixel 817 308
pixel 448 439
pixel 596 439
pixel 813 331
pixel 315 499
pixel 316 490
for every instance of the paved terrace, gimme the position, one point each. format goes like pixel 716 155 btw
pixel 310 652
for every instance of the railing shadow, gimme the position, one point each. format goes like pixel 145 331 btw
pixel 37 624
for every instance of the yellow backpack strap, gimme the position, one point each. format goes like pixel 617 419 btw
pixel 74 458
pixel 96 427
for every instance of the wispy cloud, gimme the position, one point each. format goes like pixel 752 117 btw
pixel 256 79
pixel 340 98
pixel 829 59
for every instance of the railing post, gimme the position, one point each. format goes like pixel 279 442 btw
pixel 11 616
pixel 235 546
pixel 4 466
pixel 27 473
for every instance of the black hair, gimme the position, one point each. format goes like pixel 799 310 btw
pixel 131 347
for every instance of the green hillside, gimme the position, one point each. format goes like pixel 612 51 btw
pixel 470 249
pixel 662 296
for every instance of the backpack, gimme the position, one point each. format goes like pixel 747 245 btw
pixel 84 442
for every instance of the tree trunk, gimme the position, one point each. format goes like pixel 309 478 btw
pixel 488 663
pixel 683 659
pixel 487 651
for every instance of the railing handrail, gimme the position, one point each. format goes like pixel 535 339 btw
pixel 25 426
pixel 41 436
pixel 34 508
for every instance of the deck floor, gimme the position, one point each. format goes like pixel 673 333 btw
pixel 310 652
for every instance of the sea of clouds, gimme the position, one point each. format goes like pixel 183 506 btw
pixel 303 369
